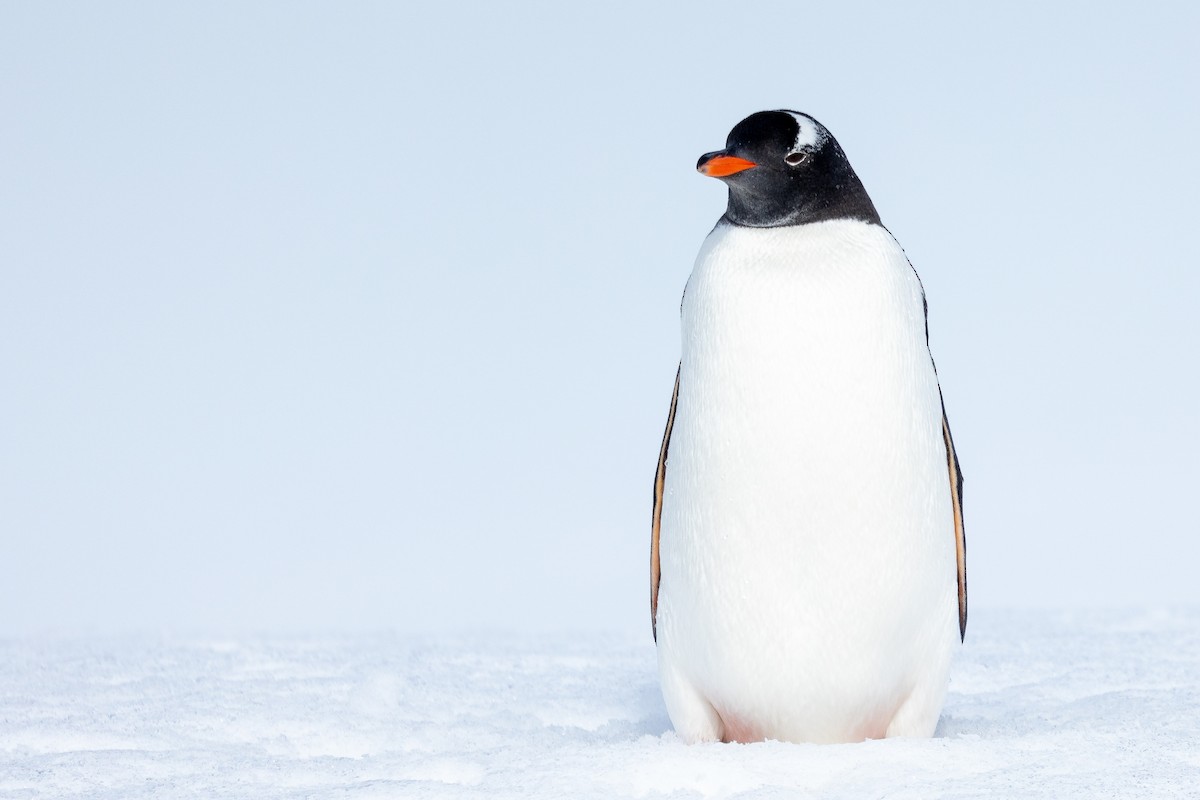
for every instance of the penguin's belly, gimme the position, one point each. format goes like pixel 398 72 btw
pixel 807 546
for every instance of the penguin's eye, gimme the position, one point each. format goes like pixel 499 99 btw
pixel 795 159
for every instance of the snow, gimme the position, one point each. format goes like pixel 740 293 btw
pixel 1040 705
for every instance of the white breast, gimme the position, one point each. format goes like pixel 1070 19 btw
pixel 808 567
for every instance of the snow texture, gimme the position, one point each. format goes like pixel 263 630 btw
pixel 1054 706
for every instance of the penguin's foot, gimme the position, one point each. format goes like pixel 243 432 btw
pixel 694 718
pixel 917 715
pixel 739 730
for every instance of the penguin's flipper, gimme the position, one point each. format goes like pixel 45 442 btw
pixel 960 535
pixel 660 477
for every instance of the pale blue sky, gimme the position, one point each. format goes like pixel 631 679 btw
pixel 321 316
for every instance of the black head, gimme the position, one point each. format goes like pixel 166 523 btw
pixel 784 168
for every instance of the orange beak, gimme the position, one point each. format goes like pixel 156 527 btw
pixel 719 165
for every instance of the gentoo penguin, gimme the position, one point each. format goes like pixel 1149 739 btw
pixel 808 578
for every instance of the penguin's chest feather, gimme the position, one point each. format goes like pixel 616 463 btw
pixel 804 359
pixel 806 492
pixel 826 319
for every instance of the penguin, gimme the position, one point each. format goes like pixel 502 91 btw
pixel 808 557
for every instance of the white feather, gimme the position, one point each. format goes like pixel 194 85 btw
pixel 808 559
pixel 809 134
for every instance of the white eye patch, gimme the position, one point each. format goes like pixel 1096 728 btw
pixel 809 134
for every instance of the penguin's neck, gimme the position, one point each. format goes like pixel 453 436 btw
pixel 835 193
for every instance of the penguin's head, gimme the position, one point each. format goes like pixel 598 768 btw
pixel 785 168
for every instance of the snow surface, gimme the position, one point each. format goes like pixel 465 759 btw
pixel 1054 706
